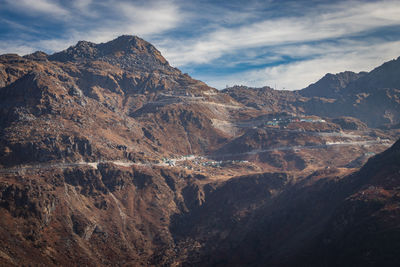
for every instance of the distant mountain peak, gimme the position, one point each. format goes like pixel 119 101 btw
pixel 38 55
pixel 82 50
pixel 331 85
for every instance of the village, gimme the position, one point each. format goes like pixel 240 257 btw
pixel 192 162
pixel 285 120
pixel 282 121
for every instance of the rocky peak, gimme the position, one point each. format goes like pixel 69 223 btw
pixel 127 44
pixel 331 84
pixel 81 51
pixel 126 51
pixel 338 85
pixel 385 76
pixel 38 56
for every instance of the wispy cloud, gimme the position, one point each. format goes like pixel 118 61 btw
pixel 46 7
pixel 145 20
pixel 349 55
pixel 326 22
pixel 155 17
pixel 97 22
pixel 82 4
pixel 15 48
pixel 18 26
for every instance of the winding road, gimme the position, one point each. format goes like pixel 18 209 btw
pixel 64 165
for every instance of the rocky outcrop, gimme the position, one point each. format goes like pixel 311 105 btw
pixel 349 123
pixel 127 52
pixel 331 85
pixel 265 98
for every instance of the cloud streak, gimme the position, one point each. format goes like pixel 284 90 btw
pixel 96 22
pixel 326 22
pixel 46 7
pixel 359 56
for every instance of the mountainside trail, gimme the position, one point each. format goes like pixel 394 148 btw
pixel 120 163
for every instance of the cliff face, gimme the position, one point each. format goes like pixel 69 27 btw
pixel 104 216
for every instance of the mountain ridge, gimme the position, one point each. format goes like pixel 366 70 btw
pixel 372 97
pixel 109 156
pixel 331 85
pixel 383 76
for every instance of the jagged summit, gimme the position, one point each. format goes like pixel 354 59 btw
pixel 338 85
pixel 385 76
pixel 38 55
pixel 331 85
pixel 126 51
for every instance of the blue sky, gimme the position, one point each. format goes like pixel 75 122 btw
pixel 287 44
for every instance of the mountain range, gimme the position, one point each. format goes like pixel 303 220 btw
pixel 110 156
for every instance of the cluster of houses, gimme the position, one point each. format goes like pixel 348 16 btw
pixel 199 160
pixel 286 121
pixel 212 163
pixel 172 162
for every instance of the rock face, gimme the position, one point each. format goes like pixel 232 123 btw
pixel 334 221
pixel 365 226
pixel 331 85
pixel 264 98
pixel 110 156
pixel 349 123
pixel 127 52
pixel 371 97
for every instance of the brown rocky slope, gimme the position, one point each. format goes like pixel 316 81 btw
pixel 144 216
pixel 372 97
pixel 110 156
pixel 106 101
pixel 324 220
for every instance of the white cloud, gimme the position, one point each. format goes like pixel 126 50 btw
pixel 323 23
pixel 15 48
pixel 144 19
pixel 85 8
pixel 54 44
pixel 82 4
pixel 352 56
pixel 155 17
pixel 47 7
